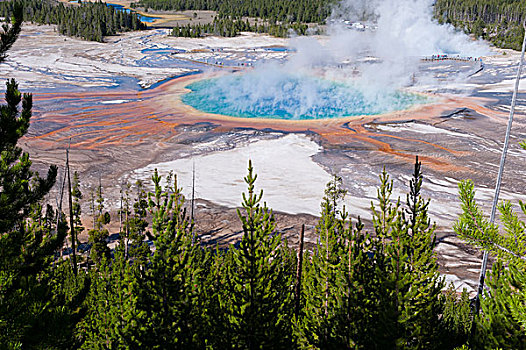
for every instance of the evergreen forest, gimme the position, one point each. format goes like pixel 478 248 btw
pixel 230 27
pixel 498 21
pixel 89 20
pixel 160 288
pixel 289 11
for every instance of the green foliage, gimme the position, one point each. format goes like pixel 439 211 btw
pixel 376 292
pixel 457 317
pixel 475 227
pixel 497 325
pixel 229 27
pixel 90 20
pixel 65 309
pixel 417 285
pixel 215 321
pixel 173 281
pixel 340 309
pixel 98 236
pixel 33 313
pixel 258 295
pixel 77 209
pixel 25 294
pixel 27 236
pixel 9 34
pixel 301 11
pixel 502 321
pixel 499 21
pixel 140 206
pixel 20 187
pixel 412 287
pixel 113 319
pixel 134 223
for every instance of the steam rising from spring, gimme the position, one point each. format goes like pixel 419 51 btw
pixel 291 96
pixel 353 70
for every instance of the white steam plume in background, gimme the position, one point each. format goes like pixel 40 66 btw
pixel 402 32
pixel 404 28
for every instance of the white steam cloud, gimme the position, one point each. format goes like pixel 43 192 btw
pixel 404 28
pixel 397 33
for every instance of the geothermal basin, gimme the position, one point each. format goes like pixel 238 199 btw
pixel 124 113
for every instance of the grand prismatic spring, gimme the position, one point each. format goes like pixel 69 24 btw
pixel 292 97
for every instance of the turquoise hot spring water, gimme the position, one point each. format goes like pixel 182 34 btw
pixel 293 97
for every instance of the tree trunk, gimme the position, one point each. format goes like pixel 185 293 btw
pixel 297 289
pixel 72 226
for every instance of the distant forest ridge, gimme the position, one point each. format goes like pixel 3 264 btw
pixel 231 26
pixel 288 11
pixel 90 21
pixel 498 21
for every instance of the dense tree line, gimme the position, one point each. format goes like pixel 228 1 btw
pixel 499 21
pixel 301 11
pixel 89 20
pixel 230 27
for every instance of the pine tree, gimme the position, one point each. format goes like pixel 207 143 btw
pixel 413 303
pixel 125 216
pixel 99 235
pixel 423 265
pixel 137 226
pixel 498 325
pixel 357 320
pixel 258 299
pixel 77 208
pixel 324 275
pixel 502 321
pixel 341 289
pixel 26 245
pixel 215 321
pixel 457 318
pixel 374 292
pixel 173 279
pixel 66 307
pixel 9 34
pixel 20 188
pixel 113 319
pixel 28 238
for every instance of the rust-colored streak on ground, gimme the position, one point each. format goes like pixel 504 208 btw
pixel 414 140
pixel 436 163
pixel 151 116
